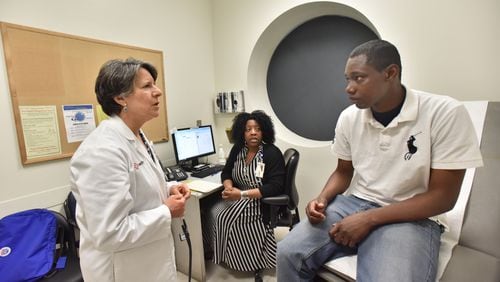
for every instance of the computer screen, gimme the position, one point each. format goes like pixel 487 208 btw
pixel 192 143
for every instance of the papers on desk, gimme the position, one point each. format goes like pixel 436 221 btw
pixel 202 185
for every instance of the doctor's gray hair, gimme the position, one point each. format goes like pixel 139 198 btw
pixel 115 78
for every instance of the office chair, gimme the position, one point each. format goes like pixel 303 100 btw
pixel 284 210
pixel 65 248
pixel 69 210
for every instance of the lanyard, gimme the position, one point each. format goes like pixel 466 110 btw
pixel 148 147
pixel 151 153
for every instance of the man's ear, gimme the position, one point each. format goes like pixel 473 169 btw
pixel 391 72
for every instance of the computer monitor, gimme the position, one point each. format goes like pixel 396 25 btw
pixel 192 143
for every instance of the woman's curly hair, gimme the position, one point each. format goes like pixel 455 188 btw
pixel 264 121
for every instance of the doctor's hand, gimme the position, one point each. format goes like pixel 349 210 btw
pixel 181 189
pixel 231 194
pixel 176 204
pixel 315 211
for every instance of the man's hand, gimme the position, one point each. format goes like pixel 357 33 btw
pixel 181 189
pixel 176 204
pixel 315 211
pixel 352 229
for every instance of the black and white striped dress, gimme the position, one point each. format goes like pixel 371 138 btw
pixel 242 241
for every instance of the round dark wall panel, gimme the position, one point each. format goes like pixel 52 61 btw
pixel 305 78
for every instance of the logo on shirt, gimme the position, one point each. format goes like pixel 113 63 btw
pixel 412 149
pixel 137 165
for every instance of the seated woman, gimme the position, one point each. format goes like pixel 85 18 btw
pixel 254 169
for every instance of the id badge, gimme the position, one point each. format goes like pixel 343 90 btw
pixel 259 170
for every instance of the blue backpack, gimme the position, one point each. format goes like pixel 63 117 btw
pixel 27 245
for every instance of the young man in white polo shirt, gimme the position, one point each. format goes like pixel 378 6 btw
pixel 409 151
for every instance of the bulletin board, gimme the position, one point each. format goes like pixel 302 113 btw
pixel 51 73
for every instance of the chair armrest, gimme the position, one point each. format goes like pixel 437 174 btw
pixel 275 203
pixel 280 200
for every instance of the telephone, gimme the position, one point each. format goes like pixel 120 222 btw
pixel 175 173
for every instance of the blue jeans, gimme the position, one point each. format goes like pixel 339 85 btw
pixel 394 252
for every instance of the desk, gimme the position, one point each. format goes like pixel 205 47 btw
pixel 193 219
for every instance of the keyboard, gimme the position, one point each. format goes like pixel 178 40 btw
pixel 207 171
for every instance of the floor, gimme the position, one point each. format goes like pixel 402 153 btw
pixel 220 273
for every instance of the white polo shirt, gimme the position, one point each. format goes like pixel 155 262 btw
pixel 393 163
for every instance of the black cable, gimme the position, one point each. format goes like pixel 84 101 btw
pixel 188 240
pixel 184 225
pixel 184 230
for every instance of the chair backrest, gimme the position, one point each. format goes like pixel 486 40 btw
pixel 69 209
pixel 65 236
pixel 291 157
pixel 66 247
pixel 481 224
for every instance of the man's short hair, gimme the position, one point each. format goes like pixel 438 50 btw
pixel 379 54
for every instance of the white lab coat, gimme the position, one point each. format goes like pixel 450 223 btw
pixel 125 232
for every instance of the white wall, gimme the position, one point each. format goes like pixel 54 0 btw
pixel 447 47
pixel 181 29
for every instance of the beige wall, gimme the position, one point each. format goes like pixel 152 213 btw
pixel 181 29
pixel 448 47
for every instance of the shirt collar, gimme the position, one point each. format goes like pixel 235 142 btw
pixel 122 128
pixel 408 112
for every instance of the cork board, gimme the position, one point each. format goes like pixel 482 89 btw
pixel 48 71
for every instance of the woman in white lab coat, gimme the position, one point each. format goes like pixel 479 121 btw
pixel 124 204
